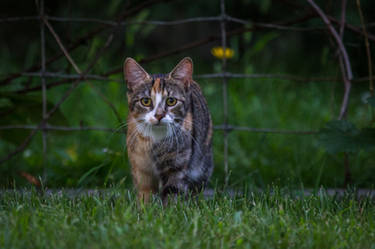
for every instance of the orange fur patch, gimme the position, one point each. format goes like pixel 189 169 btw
pixel 209 134
pixel 157 86
pixel 188 122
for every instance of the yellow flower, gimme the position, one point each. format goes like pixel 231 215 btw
pixel 219 53
pixel 72 153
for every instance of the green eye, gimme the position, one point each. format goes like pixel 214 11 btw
pixel 171 101
pixel 146 101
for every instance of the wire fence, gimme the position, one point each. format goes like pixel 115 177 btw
pixel 223 19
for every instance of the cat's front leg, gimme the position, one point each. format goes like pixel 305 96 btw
pixel 174 188
pixel 146 184
pixel 142 168
pixel 169 194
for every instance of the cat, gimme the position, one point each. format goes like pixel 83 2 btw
pixel 169 136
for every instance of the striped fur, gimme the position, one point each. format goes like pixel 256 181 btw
pixel 169 147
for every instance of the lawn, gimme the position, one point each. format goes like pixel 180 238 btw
pixel 271 219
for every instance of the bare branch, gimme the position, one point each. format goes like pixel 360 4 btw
pixel 347 87
pixel 347 82
pixel 346 67
pixel 336 37
pixel 352 28
pixel 66 53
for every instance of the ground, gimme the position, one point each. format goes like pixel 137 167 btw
pixel 111 219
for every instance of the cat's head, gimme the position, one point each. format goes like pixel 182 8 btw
pixel 158 104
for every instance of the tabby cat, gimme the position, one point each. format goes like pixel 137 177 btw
pixel 169 131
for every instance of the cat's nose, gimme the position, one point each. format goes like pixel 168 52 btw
pixel 159 116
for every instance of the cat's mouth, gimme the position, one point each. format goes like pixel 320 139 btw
pixel 159 124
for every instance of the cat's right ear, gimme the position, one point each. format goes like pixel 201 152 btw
pixel 134 74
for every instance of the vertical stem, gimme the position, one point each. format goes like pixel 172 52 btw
pixel 343 18
pixel 371 84
pixel 348 174
pixel 44 88
pixel 347 86
pixel 225 89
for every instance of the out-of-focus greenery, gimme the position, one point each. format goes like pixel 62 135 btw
pixel 96 158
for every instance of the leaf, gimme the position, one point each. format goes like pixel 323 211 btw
pixel 342 136
pixel 262 43
pixel 90 172
pixel 367 138
pixel 337 136
pixel 247 36
pixel 24 110
pixel 30 178
pixel 4 103
pixel 265 5
pixel 371 101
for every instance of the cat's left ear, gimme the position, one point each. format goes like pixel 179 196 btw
pixel 183 71
pixel 134 73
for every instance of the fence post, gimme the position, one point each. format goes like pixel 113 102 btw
pixel 225 88
pixel 44 88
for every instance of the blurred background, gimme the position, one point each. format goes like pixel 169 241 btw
pixel 283 105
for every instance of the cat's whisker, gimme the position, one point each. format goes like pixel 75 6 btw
pixel 124 124
pixel 131 138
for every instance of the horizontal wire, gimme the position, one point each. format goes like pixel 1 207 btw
pixel 106 129
pixel 198 76
pixel 70 76
pixel 226 18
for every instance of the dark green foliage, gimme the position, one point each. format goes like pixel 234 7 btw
pixel 371 101
pixel 24 110
pixel 342 136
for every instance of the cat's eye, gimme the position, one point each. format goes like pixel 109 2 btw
pixel 146 101
pixel 171 101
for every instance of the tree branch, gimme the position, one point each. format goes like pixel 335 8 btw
pixel 346 68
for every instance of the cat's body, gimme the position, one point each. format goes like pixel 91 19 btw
pixel 169 131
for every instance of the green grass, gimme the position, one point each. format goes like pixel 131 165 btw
pixel 274 219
